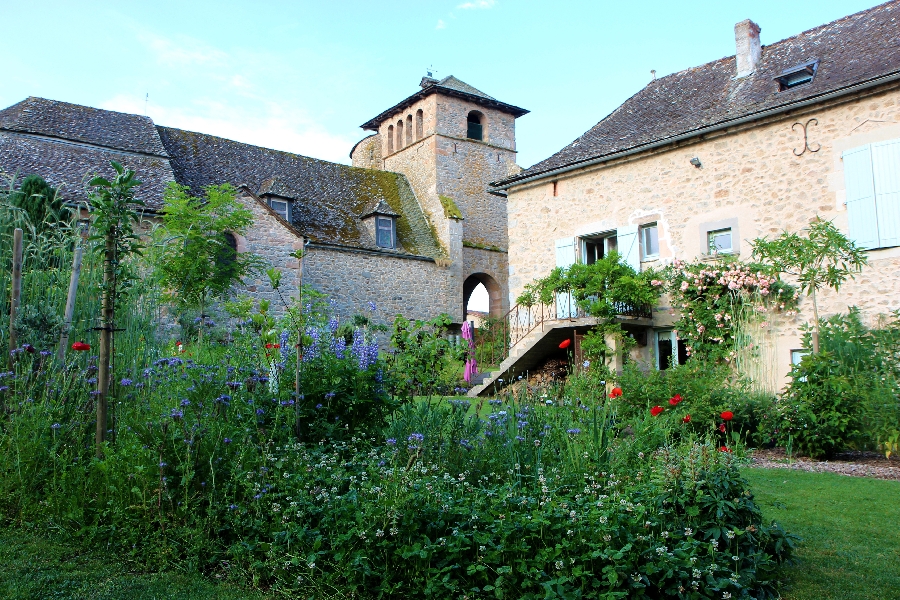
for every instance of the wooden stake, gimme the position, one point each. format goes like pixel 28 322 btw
pixel 107 324
pixel 16 291
pixel 70 305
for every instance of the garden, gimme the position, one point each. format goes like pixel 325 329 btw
pixel 279 449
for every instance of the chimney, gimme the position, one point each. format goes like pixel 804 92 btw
pixel 746 38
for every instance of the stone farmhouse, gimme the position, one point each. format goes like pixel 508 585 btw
pixel 711 157
pixel 409 227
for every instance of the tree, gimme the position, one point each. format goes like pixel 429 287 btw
pixel 113 206
pixel 39 200
pixel 824 257
pixel 196 260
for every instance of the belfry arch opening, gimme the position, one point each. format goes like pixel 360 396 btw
pixel 482 296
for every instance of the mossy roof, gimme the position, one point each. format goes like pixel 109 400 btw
pixel 329 198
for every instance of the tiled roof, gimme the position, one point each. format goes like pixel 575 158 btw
pixel 450 86
pixel 329 198
pixel 452 83
pixel 852 50
pixel 73 122
pixel 70 166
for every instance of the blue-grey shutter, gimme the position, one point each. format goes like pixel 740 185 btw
pixel 565 257
pixel 886 171
pixel 629 246
pixel 860 185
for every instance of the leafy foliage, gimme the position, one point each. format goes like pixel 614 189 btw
pixel 424 361
pixel 824 257
pixel 847 395
pixel 193 257
pixel 41 202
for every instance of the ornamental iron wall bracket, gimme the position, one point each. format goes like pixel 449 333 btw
pixel 806 145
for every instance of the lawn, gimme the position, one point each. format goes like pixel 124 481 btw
pixel 850 528
pixel 33 567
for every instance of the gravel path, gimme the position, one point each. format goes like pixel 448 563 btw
pixel 854 464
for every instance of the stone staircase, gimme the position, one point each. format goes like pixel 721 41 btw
pixel 529 353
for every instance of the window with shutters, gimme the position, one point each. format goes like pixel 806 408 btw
pixel 670 351
pixel 594 247
pixel 872 178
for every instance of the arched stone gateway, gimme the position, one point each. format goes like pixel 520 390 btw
pixel 494 291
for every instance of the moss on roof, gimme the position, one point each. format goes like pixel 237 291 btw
pixel 451 210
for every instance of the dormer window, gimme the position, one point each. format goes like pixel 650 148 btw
pixel 282 207
pixel 385 232
pixel 791 78
pixel 381 223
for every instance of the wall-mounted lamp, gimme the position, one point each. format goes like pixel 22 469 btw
pixel 696 162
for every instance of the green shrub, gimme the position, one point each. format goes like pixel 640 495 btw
pixel 846 396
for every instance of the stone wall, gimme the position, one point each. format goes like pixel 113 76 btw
pixel 275 241
pixel 751 174
pixel 367 153
pixel 495 265
pixel 415 288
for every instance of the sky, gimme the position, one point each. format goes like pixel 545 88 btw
pixel 302 76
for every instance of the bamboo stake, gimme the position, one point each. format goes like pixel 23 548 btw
pixel 16 291
pixel 70 304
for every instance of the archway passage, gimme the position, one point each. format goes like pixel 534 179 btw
pixel 482 295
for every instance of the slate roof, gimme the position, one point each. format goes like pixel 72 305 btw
pixel 330 198
pixel 450 86
pixel 380 207
pixel 73 122
pixel 855 49
pixel 67 144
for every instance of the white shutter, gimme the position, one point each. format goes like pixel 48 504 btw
pixel 629 246
pixel 886 171
pixel 860 184
pixel 565 257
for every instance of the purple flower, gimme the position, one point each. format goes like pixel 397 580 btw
pixel 227 440
pixel 391 442
pixel 162 465
pixel 185 402
pixel 55 426
pixel 318 406
pixel 573 431
pixel 283 340
pixel 125 382
pixel 233 385
pixel 260 411
pixel 91 380
pixel 176 414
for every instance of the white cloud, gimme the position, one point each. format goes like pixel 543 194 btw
pixel 477 4
pixel 263 123
pixel 440 24
pixel 182 50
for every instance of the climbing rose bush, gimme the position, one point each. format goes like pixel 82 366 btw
pixel 711 300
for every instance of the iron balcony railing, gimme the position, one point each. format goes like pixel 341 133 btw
pixel 497 337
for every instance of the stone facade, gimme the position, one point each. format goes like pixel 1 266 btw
pixel 751 177
pixel 439 159
pixel 397 285
pixel 275 240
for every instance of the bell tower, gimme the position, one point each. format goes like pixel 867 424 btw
pixel 451 141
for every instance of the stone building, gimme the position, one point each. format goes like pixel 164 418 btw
pixel 408 230
pixel 451 140
pixel 714 156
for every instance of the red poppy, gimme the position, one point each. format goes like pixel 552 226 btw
pixel 724 449
pixel 727 415
pixel 269 346
pixel 81 346
pixel 616 392
pixel 686 419
pixel 565 344
pixel 656 410
pixel 722 427
pixel 674 400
